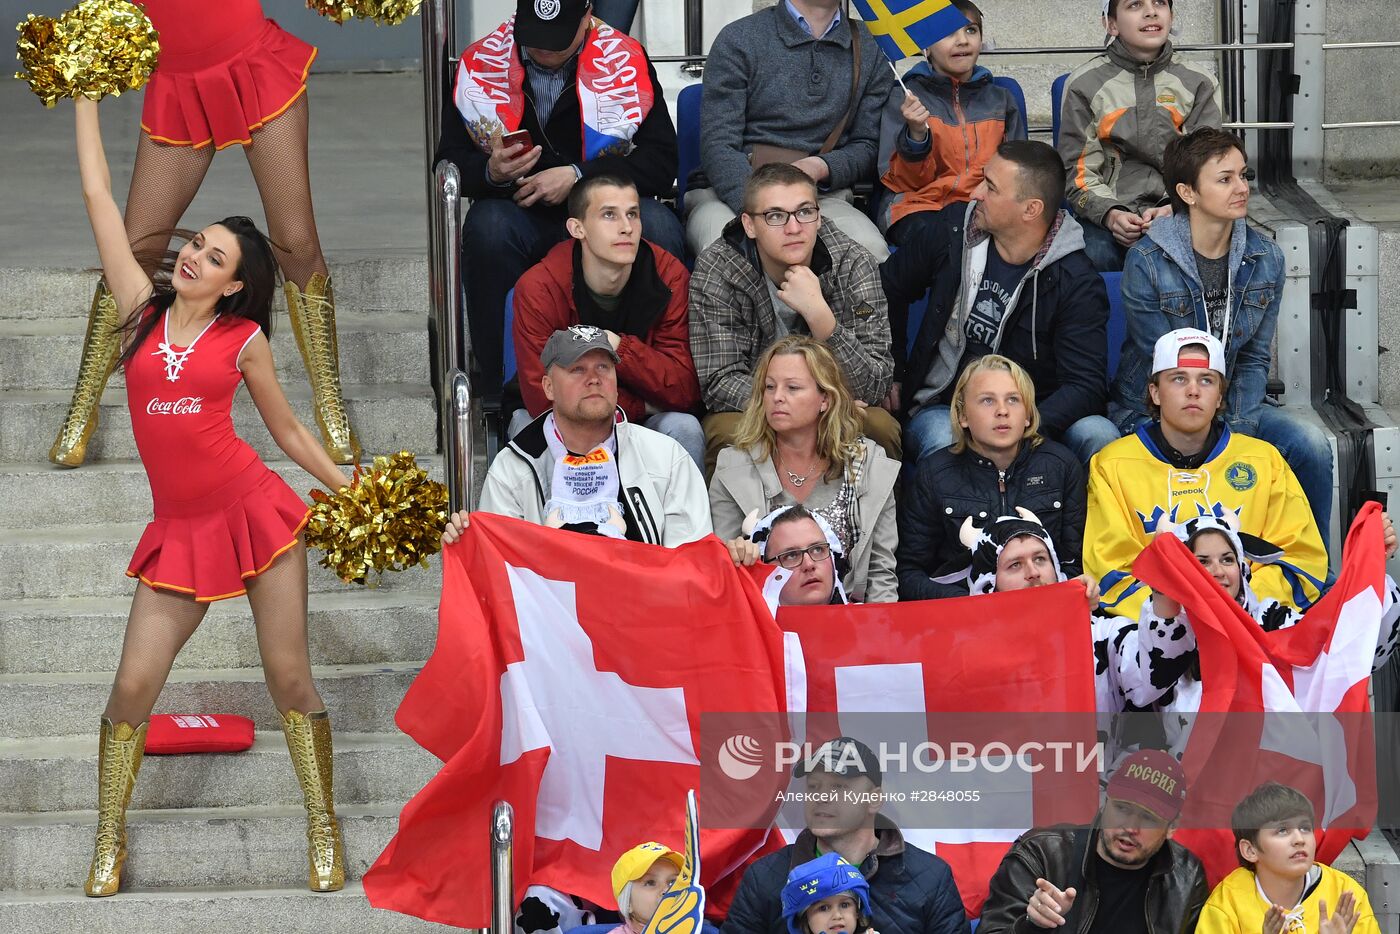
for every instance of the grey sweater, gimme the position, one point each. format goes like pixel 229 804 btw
pixel 791 91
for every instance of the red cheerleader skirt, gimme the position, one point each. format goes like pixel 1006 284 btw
pixel 221 93
pixel 210 546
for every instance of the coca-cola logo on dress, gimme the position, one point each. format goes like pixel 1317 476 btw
pixel 186 405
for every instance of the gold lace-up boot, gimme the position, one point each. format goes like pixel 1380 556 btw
pixel 101 348
pixel 309 742
pixel 118 760
pixel 313 321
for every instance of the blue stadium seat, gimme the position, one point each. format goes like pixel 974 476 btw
pixel 1057 93
pixel 508 355
pixel 1117 321
pixel 1014 87
pixel 916 318
pixel 687 139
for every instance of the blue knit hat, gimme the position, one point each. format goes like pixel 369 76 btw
pixel 823 877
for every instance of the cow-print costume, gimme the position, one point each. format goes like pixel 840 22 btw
pixel 773 587
pixel 544 910
pixel 1164 679
pixel 1114 638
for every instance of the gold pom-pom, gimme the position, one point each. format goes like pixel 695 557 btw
pixel 390 518
pixel 99 47
pixel 387 12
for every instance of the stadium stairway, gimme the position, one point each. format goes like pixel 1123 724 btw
pixel 217 842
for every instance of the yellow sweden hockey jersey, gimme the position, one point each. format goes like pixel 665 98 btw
pixel 1132 488
pixel 1237 907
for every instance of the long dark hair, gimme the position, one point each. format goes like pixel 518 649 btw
pixel 257 270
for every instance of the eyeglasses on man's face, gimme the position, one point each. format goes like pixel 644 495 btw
pixel 791 559
pixel 808 214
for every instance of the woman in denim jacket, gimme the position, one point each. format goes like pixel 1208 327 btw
pixel 1204 267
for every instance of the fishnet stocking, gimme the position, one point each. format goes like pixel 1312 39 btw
pixel 280 168
pixel 159 625
pixel 278 598
pixel 164 181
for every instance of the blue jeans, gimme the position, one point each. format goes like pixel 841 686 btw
pixel 618 14
pixel 1106 253
pixel 684 429
pixel 932 430
pixel 500 240
pixel 1304 446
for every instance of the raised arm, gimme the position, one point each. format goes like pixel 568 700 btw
pixel 287 430
pixel 127 280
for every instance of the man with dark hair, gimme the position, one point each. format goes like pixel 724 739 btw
pixel 1205 267
pixel 911 891
pixel 607 276
pixel 1120 110
pixel 1012 279
pixel 780 269
pixel 549 97
pixel 797 83
pixel 1121 875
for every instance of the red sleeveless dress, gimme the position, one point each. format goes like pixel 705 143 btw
pixel 224 70
pixel 221 516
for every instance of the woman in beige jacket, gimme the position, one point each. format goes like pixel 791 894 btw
pixel 799 442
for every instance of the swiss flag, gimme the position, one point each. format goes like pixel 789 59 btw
pixel 569 678
pixel 1289 706
pixel 950 671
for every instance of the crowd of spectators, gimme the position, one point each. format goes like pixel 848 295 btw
pixel 760 348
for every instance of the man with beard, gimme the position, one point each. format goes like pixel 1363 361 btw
pixel 1121 875
pixel 582 466
pixel 911 891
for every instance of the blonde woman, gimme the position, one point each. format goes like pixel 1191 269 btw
pixel 799 441
pixel 998 461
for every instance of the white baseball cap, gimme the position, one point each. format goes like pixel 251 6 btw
pixel 1166 355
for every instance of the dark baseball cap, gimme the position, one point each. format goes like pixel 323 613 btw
pixel 842 756
pixel 548 24
pixel 567 345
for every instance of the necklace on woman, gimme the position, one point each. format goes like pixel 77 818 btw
pixel 798 479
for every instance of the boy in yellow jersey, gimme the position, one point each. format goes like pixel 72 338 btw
pixel 1185 464
pixel 1279 887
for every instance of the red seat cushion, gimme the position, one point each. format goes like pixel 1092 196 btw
pixel 171 734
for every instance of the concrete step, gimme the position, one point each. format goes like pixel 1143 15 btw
pixel 91 561
pixel 58 773
pixel 386 418
pixel 111 491
pixel 249 846
pixel 76 634
pixel 361 698
pixel 387 283
pixel 186 910
pixel 379 347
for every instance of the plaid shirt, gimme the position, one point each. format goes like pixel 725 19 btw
pixel 732 320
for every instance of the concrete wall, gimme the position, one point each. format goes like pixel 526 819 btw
pixel 1362 84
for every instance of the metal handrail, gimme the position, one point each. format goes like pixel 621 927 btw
pixel 457 404
pixel 502 868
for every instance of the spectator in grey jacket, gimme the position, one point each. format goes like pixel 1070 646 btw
pixel 781 269
pixel 777 86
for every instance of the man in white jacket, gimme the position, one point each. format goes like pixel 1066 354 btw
pixel 582 466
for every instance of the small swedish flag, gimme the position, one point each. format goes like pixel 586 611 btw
pixel 906 27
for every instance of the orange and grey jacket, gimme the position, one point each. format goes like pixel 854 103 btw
pixel 967 122
pixel 1117 116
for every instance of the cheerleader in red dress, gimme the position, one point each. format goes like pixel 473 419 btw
pixel 226 76
pixel 225 525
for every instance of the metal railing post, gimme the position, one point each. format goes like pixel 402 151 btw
pixel 457 404
pixel 502 868
pixel 694 36
pixel 466 415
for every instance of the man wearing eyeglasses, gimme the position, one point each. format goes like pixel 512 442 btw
pixel 781 269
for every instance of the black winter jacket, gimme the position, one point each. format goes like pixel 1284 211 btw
pixel 1058 330
pixel 651 163
pixel 947 488
pixel 1176 890
pixel 911 891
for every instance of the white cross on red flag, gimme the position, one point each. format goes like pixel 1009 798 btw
pixel 568 678
pixel 1289 706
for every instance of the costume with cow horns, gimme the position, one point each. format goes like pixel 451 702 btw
pixel 758 533
pixel 1165 677
pixel 1115 640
